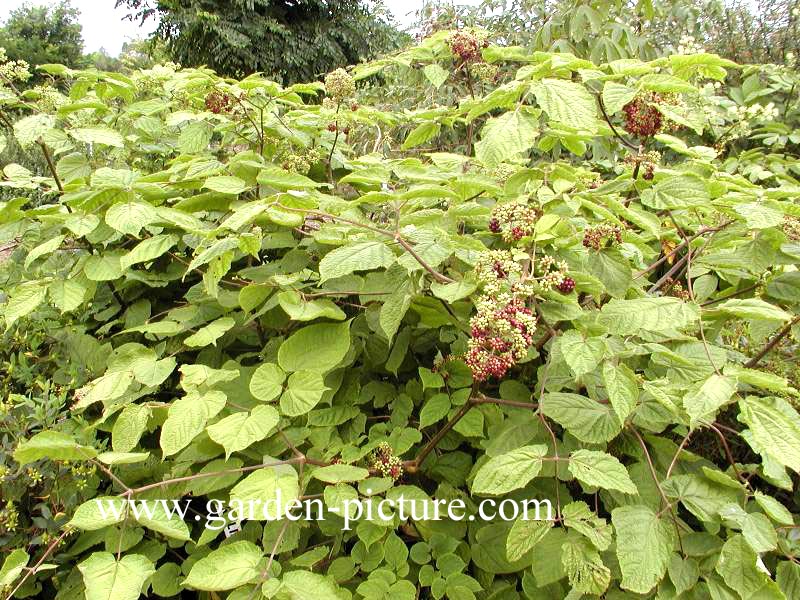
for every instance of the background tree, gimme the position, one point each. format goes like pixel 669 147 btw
pixel 291 41
pixel 44 34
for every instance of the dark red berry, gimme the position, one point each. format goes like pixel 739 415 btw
pixel 331 127
pixel 346 131
pixel 494 226
pixel 566 286
pixel 354 106
pixel 641 117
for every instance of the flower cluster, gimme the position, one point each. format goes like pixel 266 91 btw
pixel 9 518
pixel 791 227
pixel 339 85
pixel 642 115
pixel 551 273
pixel 688 45
pixel 600 236
pixel 383 460
pixel 756 112
pixel 49 98
pixel 466 45
pixel 82 472
pixel 513 220
pixel 13 70
pixel 484 71
pixel 301 163
pixel 646 160
pixel 675 288
pixel 218 102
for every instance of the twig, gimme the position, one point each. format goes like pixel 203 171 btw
pixel 772 343
pixel 51 165
pixel 614 129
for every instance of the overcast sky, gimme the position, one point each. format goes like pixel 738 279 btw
pixel 104 27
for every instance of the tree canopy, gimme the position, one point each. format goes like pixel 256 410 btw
pixel 288 40
pixel 43 34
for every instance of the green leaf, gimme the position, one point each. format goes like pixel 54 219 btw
pixel 106 578
pixel 775 425
pixel 598 469
pixel 319 347
pixel 129 217
pixel 301 310
pixel 225 184
pixel 270 488
pixel 266 384
pixel 23 301
pixel 226 568
pixel 103 268
pixel 53 445
pixel 523 536
pixel 656 315
pixel 122 458
pixel 434 410
pixel 754 309
pixel 99 512
pixel 13 566
pixel 422 133
pixel 703 402
pixel 738 567
pixel 303 392
pixel 340 474
pixel 129 427
pixel 148 250
pixel 29 129
pixel 436 74
pixel 774 509
pixel 98 135
pixel 616 95
pixel 281 179
pixel 195 137
pixel 506 136
pixel 622 389
pixel 210 333
pixel 567 102
pixel 644 546
pixel 302 585
pixel 509 471
pixel 187 419
pixel 677 192
pixel 759 533
pixel 581 354
pixel 239 430
pixel 586 419
pixel 359 257
pixel 42 249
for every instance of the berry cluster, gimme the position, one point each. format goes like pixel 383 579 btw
pixel 602 235
pixel 383 460
pixel 466 45
pixel 339 85
pixel 551 273
pixel 566 286
pixel 513 220
pixel 643 117
pixel 502 329
pixel 218 102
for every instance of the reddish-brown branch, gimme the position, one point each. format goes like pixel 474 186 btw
pixel 772 343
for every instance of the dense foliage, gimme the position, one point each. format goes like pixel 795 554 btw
pixel 543 279
pixel 288 41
